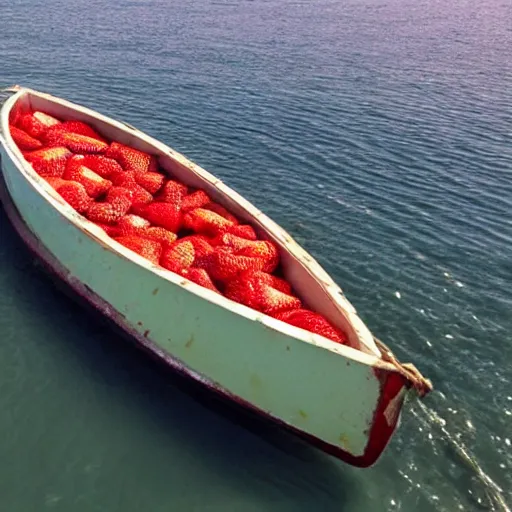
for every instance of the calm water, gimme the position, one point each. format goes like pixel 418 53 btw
pixel 379 134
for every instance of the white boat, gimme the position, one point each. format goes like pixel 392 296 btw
pixel 346 400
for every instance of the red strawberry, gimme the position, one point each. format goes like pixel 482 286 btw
pixel 151 181
pixel 23 140
pixel 126 180
pixel 78 127
pixel 112 231
pixel 172 192
pixel 115 192
pixel 108 213
pixel 148 249
pixel 178 256
pixel 257 249
pixel 241 289
pixel 162 235
pixel 36 123
pixel 132 159
pixel 202 247
pixel 49 162
pixel 199 276
pixel 75 195
pixel 274 282
pixel 313 322
pixel 263 249
pixel 55 182
pixel 94 184
pixel 131 224
pixel 222 264
pixel 251 290
pixel 270 300
pixel 165 215
pixel 197 199
pixel 220 210
pixel 76 142
pixel 102 165
pixel 205 222
pixel 243 231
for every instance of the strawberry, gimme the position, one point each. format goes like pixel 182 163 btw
pixel 313 322
pixel 202 247
pixel 78 127
pixel 49 162
pixel 205 222
pixel 115 192
pixel 162 235
pixel 132 159
pixel 23 140
pixel 55 182
pixel 76 142
pixel 75 195
pixel 178 256
pixel 197 199
pixel 112 231
pixel 241 289
pixel 36 123
pixel 199 276
pixel 126 180
pixel 251 290
pixel 220 210
pixel 172 192
pixel 148 249
pixel 108 213
pixel 274 282
pixel 165 215
pixel 262 249
pixel 94 184
pixel 131 224
pixel 270 300
pixel 258 249
pixel 123 178
pixel 243 231
pixel 102 165
pixel 222 264
pixel 151 181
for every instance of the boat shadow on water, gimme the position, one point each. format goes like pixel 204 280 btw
pixel 255 457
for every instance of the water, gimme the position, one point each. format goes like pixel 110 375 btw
pixel 379 134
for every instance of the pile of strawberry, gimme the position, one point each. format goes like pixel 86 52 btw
pixel 123 190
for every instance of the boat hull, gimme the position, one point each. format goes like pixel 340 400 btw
pixel 344 401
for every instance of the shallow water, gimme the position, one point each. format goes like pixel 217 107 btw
pixel 377 133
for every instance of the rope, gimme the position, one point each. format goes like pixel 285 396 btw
pixel 422 385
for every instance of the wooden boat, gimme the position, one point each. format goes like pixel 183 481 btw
pixel 346 400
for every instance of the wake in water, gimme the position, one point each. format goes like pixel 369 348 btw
pixel 493 492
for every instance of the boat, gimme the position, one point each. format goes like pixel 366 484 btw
pixel 346 399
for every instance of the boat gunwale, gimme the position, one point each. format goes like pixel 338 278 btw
pixel 330 288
